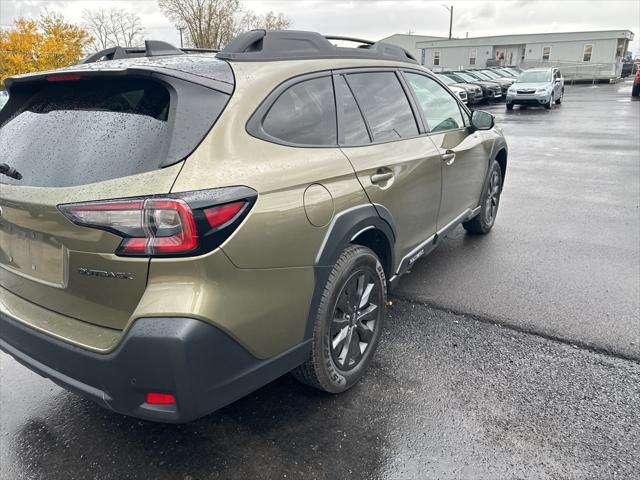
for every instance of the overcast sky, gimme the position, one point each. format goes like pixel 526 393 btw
pixel 377 19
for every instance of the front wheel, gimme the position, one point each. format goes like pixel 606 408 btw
pixel 635 91
pixel 509 106
pixel 348 323
pixel 483 222
pixel 559 100
pixel 549 104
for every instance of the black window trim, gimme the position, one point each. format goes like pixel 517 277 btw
pixel 255 128
pixel 340 118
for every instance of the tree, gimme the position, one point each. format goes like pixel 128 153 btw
pixel 268 21
pixel 111 27
pixel 43 44
pixel 208 23
pixel 214 23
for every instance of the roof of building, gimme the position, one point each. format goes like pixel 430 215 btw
pixel 411 35
pixel 524 38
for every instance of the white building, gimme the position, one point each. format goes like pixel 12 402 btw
pixel 580 55
pixel 408 42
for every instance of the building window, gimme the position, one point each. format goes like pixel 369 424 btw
pixel 546 53
pixel 436 58
pixel 586 53
pixel 473 53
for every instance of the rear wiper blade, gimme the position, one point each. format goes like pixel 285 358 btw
pixel 10 171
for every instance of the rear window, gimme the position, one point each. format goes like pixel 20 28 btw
pixel 79 132
pixel 305 114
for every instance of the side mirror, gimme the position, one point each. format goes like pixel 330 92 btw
pixel 481 120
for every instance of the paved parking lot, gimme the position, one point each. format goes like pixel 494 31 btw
pixel 491 365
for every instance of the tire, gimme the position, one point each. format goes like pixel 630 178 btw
pixel 330 367
pixel 549 104
pixel 509 106
pixel 559 100
pixel 484 221
pixel 635 91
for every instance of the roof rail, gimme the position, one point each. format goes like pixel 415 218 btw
pixel 152 48
pixel 273 45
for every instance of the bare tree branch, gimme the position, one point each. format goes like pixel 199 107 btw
pixel 214 23
pixel 112 27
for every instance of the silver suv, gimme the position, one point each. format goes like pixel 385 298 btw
pixel 537 86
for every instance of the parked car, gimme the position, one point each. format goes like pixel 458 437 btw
pixel 473 92
pixel 504 73
pixel 482 77
pixel 490 90
pixel 537 86
pixel 504 82
pixel 635 90
pixel 460 92
pixel 514 68
pixel 511 71
pixel 188 228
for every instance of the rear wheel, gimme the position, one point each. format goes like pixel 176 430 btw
pixel 509 106
pixel 348 324
pixel 483 222
pixel 635 91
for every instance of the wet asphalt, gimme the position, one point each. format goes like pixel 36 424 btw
pixel 491 364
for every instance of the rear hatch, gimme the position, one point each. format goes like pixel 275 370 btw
pixel 76 138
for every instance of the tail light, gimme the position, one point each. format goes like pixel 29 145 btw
pixel 175 225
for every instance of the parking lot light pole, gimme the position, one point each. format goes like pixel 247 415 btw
pixel 180 29
pixel 450 18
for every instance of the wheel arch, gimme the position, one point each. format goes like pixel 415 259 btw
pixel 367 225
pixel 501 157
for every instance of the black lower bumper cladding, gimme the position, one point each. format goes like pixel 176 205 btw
pixel 203 367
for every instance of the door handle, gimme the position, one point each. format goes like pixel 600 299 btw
pixel 381 177
pixel 448 157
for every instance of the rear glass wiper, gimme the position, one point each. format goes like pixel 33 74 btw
pixel 10 171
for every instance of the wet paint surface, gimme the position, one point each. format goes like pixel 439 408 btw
pixel 447 396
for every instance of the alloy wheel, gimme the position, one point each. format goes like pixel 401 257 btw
pixel 355 320
pixel 493 198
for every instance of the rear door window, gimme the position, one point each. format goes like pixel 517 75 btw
pixel 304 114
pixel 353 130
pixel 384 104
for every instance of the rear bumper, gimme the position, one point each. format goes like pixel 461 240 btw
pixel 200 365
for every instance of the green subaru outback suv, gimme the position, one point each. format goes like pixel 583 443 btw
pixel 178 230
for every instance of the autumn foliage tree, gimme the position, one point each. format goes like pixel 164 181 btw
pixel 32 45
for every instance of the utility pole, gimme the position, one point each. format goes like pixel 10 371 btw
pixel 450 18
pixel 180 29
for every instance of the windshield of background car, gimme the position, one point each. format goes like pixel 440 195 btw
pixel 465 77
pixel 539 76
pixel 446 80
pixel 490 74
pixel 482 76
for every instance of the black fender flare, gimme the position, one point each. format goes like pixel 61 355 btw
pixel 344 228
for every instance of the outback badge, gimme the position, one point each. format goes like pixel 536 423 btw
pixel 105 274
